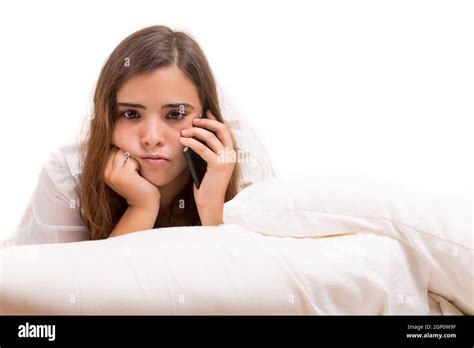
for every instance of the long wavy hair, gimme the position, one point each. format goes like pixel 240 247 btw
pixel 100 208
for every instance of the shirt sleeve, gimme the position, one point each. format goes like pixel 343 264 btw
pixel 51 215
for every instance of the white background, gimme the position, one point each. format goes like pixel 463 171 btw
pixel 379 88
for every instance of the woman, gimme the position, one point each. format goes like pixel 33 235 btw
pixel 147 102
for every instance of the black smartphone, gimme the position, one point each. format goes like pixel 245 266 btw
pixel 196 164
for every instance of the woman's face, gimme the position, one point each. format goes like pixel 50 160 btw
pixel 150 120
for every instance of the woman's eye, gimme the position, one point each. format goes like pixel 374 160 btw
pixel 130 114
pixel 176 115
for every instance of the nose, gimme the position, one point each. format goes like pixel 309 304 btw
pixel 153 133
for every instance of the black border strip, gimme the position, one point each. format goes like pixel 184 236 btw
pixel 289 330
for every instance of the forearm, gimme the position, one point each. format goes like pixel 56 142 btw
pixel 211 215
pixel 135 219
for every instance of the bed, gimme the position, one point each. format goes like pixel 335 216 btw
pixel 319 245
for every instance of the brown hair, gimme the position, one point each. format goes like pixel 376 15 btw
pixel 146 50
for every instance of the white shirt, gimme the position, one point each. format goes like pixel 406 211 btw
pixel 52 217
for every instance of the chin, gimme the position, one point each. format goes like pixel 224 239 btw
pixel 157 180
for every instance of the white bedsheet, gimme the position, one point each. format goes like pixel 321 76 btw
pixel 218 270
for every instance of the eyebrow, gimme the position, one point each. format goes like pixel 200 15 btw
pixel 166 106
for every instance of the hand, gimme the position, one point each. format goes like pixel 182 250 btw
pixel 220 157
pixel 124 178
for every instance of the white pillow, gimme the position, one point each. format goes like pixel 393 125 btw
pixel 438 225
pixel 224 270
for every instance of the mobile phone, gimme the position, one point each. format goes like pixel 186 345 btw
pixel 196 164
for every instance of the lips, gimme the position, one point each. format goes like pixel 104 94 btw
pixel 154 157
pixel 155 162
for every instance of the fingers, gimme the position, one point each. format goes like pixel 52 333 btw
pixel 203 134
pixel 121 161
pixel 202 150
pixel 130 164
pixel 117 162
pixel 221 130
